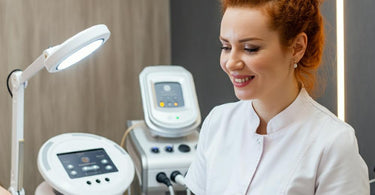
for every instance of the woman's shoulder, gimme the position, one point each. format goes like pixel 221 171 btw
pixel 326 114
pixel 330 128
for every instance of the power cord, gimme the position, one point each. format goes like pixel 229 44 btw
pixel 162 178
pixel 10 74
pixel 188 192
pixel 127 131
pixel 123 140
pixel 177 177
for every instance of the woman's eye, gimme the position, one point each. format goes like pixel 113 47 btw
pixel 252 50
pixel 225 48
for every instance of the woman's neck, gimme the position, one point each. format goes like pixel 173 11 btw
pixel 273 104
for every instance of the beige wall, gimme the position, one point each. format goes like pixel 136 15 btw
pixel 97 96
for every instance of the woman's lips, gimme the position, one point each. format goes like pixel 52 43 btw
pixel 242 81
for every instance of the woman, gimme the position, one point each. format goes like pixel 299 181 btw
pixel 276 139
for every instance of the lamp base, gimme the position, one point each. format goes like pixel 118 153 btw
pixel 45 189
pixel 13 192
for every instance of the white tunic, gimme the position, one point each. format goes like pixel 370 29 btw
pixel 306 151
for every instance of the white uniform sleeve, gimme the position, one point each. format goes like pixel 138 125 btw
pixel 342 169
pixel 196 176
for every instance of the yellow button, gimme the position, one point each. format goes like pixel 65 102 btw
pixel 161 104
pixel 175 104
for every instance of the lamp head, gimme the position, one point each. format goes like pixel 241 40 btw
pixel 76 48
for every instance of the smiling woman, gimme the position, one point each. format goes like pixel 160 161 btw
pixel 276 139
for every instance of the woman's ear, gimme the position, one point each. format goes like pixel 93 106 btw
pixel 299 46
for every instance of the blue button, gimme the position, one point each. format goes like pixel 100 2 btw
pixel 169 148
pixel 155 150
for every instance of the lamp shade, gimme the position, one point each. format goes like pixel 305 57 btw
pixel 76 48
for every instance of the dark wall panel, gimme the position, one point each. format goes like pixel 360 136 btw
pixel 360 58
pixel 195 28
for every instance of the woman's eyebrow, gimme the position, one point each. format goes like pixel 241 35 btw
pixel 242 40
pixel 250 39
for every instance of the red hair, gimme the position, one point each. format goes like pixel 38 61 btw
pixel 290 18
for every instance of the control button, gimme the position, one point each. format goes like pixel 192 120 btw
pixel 70 166
pixel 155 150
pixel 107 179
pixel 97 180
pixel 104 161
pixel 169 148
pixel 108 167
pixel 184 148
pixel 73 173
pixel 90 168
pixel 85 159
pixel 88 182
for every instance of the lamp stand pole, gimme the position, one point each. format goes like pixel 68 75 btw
pixel 18 84
pixel 16 175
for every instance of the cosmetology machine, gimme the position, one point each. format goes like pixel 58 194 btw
pixel 82 163
pixel 164 144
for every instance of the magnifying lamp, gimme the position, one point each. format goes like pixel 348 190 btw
pixel 54 59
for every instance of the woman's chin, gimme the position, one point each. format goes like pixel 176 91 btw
pixel 244 95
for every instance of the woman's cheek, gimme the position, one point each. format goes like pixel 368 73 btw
pixel 258 64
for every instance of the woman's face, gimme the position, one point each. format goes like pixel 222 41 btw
pixel 252 55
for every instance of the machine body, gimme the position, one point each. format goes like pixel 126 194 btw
pixel 166 140
pixel 169 101
pixel 154 154
pixel 81 163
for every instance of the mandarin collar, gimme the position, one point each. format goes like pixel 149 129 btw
pixel 294 112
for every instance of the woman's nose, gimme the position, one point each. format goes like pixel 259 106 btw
pixel 234 62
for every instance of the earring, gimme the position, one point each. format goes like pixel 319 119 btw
pixel 295 65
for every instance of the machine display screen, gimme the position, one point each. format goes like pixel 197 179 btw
pixel 169 95
pixel 86 163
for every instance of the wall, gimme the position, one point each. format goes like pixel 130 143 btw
pixel 360 58
pixel 97 96
pixel 195 45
